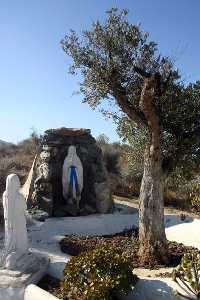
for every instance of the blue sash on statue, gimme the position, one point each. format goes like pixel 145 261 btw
pixel 73 178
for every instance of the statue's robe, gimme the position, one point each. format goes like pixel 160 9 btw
pixel 16 240
pixel 72 177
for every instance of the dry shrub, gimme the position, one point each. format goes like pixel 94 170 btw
pixel 17 159
pixel 129 186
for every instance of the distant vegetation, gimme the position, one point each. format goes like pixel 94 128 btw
pixel 17 159
pixel 125 179
pixel 123 162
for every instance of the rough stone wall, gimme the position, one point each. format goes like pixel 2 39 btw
pixel 47 192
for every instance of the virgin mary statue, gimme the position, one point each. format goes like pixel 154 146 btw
pixel 72 178
pixel 16 241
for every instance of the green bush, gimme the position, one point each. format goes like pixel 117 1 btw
pixel 187 274
pixel 98 274
pixel 195 196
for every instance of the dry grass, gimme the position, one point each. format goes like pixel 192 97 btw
pixel 16 159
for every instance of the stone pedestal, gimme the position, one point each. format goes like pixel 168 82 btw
pixel 46 190
pixel 31 268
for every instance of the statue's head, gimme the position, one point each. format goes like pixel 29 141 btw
pixel 12 183
pixel 72 150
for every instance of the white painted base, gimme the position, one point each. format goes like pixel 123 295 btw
pixel 33 292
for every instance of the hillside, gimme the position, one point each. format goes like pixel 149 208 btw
pixel 4 144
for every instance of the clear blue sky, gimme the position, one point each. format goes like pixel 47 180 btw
pixel 35 88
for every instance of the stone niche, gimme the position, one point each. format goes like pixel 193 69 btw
pixel 45 188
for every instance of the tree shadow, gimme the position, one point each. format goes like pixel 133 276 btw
pixel 152 289
pixel 124 209
pixel 56 269
pixel 172 220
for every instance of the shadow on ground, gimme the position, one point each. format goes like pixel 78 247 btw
pixel 124 209
pixel 152 289
pixel 172 220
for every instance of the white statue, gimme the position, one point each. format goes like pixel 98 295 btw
pixel 72 178
pixel 16 240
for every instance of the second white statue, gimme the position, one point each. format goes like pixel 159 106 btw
pixel 16 240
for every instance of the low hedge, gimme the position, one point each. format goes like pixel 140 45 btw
pixel 100 274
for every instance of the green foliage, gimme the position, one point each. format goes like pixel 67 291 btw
pixel 134 151
pixel 124 164
pixel 187 274
pixel 107 55
pixel 181 156
pixel 195 195
pixel 180 137
pixel 111 159
pixel 97 274
pixel 111 154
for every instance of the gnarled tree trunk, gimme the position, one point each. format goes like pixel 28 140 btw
pixel 153 244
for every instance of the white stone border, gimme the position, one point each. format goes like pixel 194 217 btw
pixel 33 292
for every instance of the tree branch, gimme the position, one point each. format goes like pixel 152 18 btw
pixel 161 86
pixel 142 72
pixel 119 93
pixel 165 85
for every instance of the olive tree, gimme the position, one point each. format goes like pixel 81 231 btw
pixel 120 64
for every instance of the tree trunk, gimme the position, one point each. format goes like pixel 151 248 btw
pixel 153 244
